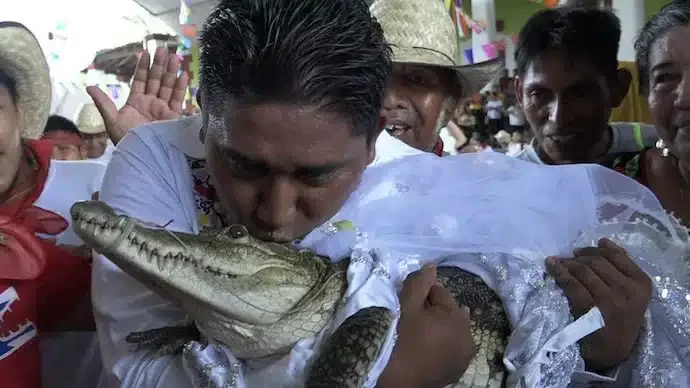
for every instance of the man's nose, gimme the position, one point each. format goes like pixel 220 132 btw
pixel 395 99
pixel 278 203
pixel 559 112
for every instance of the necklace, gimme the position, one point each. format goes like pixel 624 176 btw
pixel 661 144
pixel 17 195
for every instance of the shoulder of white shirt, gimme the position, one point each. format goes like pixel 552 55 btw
pixel 622 132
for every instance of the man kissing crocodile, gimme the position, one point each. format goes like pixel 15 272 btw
pixel 291 94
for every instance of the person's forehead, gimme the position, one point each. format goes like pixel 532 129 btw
pixel 560 68
pixel 432 72
pixel 308 135
pixel 4 92
pixel 672 46
pixel 94 135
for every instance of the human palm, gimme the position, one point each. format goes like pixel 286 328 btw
pixel 157 93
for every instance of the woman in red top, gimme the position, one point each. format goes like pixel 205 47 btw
pixel 41 284
pixel 44 269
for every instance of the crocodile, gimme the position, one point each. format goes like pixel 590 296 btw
pixel 259 298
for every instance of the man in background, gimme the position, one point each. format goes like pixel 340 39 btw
pixel 65 137
pixel 569 82
pixel 95 143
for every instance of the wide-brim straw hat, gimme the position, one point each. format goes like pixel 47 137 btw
pixel 421 32
pixel 21 57
pixel 90 120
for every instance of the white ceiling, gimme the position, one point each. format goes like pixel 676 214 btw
pixel 169 10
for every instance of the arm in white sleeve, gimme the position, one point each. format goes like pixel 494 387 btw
pixel 140 182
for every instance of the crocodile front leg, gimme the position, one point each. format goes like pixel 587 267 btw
pixel 165 340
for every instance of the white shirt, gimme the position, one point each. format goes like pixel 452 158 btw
pixel 627 137
pixel 389 148
pixel 494 109
pixel 515 148
pixel 516 116
pixel 149 178
pixel 448 141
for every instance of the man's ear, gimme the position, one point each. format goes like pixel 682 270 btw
pixel 620 87
pixel 454 110
pixel 372 141
pixel 517 84
pixel 202 134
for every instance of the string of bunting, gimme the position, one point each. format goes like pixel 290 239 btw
pixel 466 25
pixel 188 30
pixel 463 22
pixel 547 3
pixel 184 48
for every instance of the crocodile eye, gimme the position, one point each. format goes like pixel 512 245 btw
pixel 237 231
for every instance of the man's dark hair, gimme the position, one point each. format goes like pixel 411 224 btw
pixel 59 123
pixel 327 54
pixel 591 34
pixel 10 84
pixel 673 14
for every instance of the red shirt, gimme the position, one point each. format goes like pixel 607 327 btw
pixel 438 148
pixel 40 283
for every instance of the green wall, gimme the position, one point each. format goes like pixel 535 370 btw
pixel 653 6
pixel 514 13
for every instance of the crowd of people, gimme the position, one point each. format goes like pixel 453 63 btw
pixel 291 125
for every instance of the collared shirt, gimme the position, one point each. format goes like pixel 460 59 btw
pixel 627 137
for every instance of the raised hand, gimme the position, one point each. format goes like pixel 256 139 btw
pixel 157 93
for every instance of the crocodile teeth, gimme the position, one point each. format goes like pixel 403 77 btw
pixel 160 262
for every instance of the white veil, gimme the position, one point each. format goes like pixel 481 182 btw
pixel 500 218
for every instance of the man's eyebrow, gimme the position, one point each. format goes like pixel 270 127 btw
pixel 323 169
pixel 661 66
pixel 303 169
pixel 242 158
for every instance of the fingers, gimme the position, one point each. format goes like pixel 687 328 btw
pixel 614 254
pixel 586 276
pixel 621 260
pixel 578 296
pixel 169 78
pixel 179 92
pixel 105 106
pixel 141 74
pixel 417 285
pixel 606 271
pixel 155 73
pixel 440 297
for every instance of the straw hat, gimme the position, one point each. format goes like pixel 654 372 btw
pixel 503 137
pixel 421 32
pixel 90 120
pixel 22 59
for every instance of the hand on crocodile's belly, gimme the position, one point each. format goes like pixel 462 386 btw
pixel 434 346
